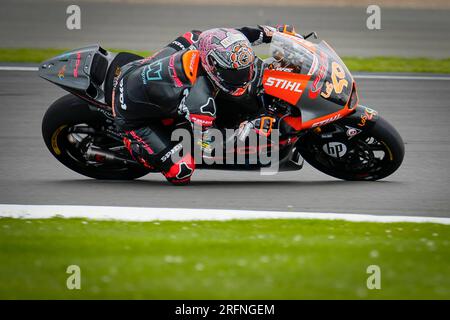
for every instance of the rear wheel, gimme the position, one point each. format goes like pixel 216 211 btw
pixel 70 128
pixel 370 155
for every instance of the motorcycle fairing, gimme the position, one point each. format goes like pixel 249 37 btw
pixel 81 71
pixel 326 96
pixel 363 118
pixel 286 86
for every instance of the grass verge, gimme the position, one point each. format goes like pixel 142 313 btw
pixel 373 64
pixel 37 55
pixel 257 259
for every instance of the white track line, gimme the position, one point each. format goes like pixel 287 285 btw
pixel 361 76
pixel 178 214
pixel 14 68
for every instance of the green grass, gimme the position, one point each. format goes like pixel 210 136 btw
pixel 37 55
pixel 397 64
pixel 261 259
pixel 373 64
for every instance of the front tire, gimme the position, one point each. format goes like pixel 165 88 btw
pixel 69 112
pixel 361 161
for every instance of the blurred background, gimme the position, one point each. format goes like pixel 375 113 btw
pixel 409 28
pixel 236 259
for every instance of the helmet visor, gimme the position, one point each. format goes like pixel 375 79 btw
pixel 235 78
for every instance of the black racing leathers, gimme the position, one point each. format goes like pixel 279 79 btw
pixel 153 94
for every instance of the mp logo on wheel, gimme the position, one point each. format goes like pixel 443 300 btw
pixel 335 149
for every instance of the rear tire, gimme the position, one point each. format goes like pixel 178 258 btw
pixel 387 137
pixel 65 113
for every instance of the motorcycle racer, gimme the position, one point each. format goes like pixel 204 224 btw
pixel 182 82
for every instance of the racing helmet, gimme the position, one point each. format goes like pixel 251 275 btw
pixel 228 59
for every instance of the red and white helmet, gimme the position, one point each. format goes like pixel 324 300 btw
pixel 228 58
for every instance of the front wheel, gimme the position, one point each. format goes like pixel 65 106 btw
pixel 372 154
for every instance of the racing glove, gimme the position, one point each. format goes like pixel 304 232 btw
pixel 262 126
pixel 263 33
pixel 286 28
pixel 268 31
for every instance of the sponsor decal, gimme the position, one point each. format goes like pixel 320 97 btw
pixel 121 96
pixel 152 72
pixel 277 67
pixel 205 121
pixel 328 90
pixel 284 84
pixel 178 44
pixel 77 65
pixel 232 38
pixel 192 62
pixel 326 135
pixel 317 84
pixel 326 121
pixel 54 140
pixel 351 132
pixel 171 152
pixel 338 81
pixel 283 69
pixel 106 113
pixel 173 72
pixel 335 149
pixel 142 142
pixel 391 156
pixel 149 58
pixel 338 77
pixel 61 72
pixel 367 115
pixel 313 66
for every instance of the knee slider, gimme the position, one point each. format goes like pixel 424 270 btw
pixel 181 171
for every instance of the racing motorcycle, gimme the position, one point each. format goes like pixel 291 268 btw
pixel 304 83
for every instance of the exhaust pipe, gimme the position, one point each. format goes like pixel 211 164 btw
pixel 99 155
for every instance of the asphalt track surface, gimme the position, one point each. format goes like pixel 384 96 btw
pixel 404 32
pixel 420 109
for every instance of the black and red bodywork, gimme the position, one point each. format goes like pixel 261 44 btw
pixel 81 72
pixel 320 86
pixel 88 73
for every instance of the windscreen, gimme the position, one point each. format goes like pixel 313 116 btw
pixel 328 76
pixel 293 54
pixel 328 82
